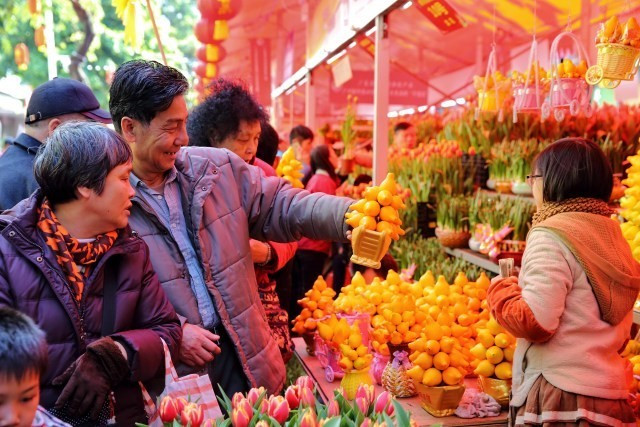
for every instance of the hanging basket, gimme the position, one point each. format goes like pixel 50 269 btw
pixel 567 94
pixel 528 97
pixel 615 62
pixel 492 99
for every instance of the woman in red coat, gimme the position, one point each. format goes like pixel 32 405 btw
pixel 312 255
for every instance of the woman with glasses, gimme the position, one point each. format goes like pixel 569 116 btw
pixel 571 306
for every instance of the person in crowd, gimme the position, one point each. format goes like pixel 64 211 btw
pixel 404 135
pixel 197 208
pixel 313 254
pixel 301 138
pixel 52 103
pixel 571 306
pixel 23 360
pixel 211 124
pixel 267 153
pixel 69 260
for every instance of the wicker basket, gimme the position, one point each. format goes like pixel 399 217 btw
pixel 440 401
pixel 498 389
pixel 618 61
pixel 453 239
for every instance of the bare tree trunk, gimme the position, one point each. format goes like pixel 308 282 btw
pixel 78 57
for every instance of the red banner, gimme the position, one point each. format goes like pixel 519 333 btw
pixel 367 45
pixel 403 89
pixel 441 14
pixel 261 70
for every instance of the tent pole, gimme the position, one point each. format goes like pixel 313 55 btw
pixel 310 102
pixel 381 101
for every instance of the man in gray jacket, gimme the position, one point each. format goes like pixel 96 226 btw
pixel 197 208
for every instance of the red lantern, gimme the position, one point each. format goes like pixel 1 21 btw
pixel 211 53
pixel 219 9
pixel 210 32
pixel 35 6
pixel 38 37
pixel 21 56
pixel 206 69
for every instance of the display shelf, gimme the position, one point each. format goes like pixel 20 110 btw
pixel 476 258
pixel 325 389
pixel 507 195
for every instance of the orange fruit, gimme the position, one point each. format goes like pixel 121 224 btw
pixel 371 208
pixel 368 222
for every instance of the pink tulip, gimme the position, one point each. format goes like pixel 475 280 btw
pixel 308 419
pixel 292 396
pixel 239 418
pixel 181 403
pixel 262 423
pixel 264 406
pixel 168 409
pixel 307 397
pixel 383 400
pixel 246 406
pixel 278 408
pixel 366 423
pixel 254 394
pixel 305 382
pixel 210 423
pixel 238 397
pixel 192 415
pixel 366 392
pixel 363 405
pixel 333 410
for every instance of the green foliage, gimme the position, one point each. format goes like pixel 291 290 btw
pixel 175 19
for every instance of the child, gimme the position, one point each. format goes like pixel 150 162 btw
pixel 23 358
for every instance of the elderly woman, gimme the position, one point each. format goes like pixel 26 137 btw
pixel 571 306
pixel 69 260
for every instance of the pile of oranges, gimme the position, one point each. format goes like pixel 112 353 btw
pixel 317 303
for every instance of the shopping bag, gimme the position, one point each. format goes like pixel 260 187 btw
pixel 195 388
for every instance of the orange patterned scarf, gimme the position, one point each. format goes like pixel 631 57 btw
pixel 69 252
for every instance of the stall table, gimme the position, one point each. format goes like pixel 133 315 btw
pixel 315 371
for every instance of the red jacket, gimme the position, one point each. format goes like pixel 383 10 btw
pixel 319 183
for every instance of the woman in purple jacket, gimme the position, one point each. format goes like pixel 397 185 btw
pixel 69 260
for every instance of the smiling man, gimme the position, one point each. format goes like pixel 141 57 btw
pixel 197 209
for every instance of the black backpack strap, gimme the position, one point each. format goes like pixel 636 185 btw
pixel 109 286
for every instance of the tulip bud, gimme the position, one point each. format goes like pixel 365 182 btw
pixel 254 394
pixel 362 404
pixel 264 406
pixel 278 408
pixel 181 403
pixel 210 423
pixel 384 400
pixel 305 382
pixel 308 419
pixel 237 397
pixel 262 423
pixel 334 409
pixel 168 409
pixel 366 392
pixel 239 418
pixel 366 423
pixel 246 406
pixel 192 415
pixel 307 397
pixel 291 394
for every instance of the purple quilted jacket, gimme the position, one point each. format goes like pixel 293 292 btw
pixel 32 281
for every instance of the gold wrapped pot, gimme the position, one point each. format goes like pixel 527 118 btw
pixel 496 388
pixel 440 401
pixel 369 246
pixel 352 380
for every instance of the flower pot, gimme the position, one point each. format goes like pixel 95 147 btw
pixel 521 188
pixel 498 389
pixel 474 244
pixel 352 380
pixel 440 401
pixel 503 187
pixel 491 184
pixel 309 340
pixel 453 239
pixel 369 246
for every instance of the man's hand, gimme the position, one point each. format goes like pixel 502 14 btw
pixel 198 345
pixel 259 251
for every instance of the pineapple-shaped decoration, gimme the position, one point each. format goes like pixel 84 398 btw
pixel 394 377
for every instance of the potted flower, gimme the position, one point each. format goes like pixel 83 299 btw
pixel 453 222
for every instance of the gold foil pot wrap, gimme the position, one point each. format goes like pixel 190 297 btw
pixel 369 246
pixel 440 401
pixel 496 388
pixel 352 380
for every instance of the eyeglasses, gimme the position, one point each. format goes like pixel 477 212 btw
pixel 530 179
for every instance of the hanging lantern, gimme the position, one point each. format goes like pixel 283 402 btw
pixel 219 9
pixel 21 56
pixel 220 30
pixel 206 70
pixel 211 53
pixel 38 37
pixel 35 6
